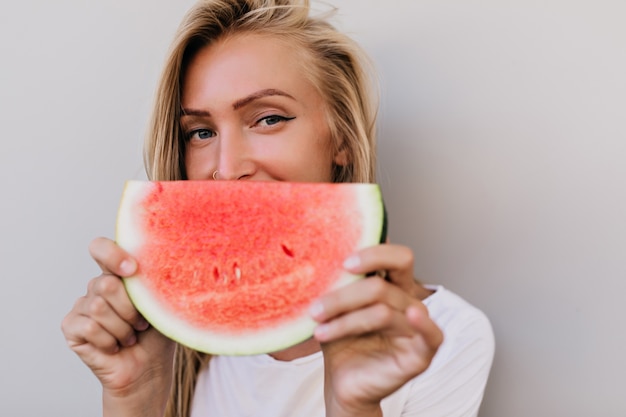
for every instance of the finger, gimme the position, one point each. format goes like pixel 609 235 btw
pixel 111 258
pixel 378 318
pixel 81 330
pixel 109 290
pixel 97 309
pixel 419 319
pixel 358 295
pixel 397 260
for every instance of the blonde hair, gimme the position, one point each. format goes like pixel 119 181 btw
pixel 335 66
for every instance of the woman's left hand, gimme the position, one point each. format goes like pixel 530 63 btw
pixel 376 334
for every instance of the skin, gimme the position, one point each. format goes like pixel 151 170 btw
pixel 251 115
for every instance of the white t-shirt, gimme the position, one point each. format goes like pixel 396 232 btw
pixel 453 385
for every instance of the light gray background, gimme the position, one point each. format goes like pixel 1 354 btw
pixel 503 162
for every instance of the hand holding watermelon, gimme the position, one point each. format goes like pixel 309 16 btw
pixel 375 333
pixel 131 360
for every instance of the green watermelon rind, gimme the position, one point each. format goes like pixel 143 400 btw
pixel 254 342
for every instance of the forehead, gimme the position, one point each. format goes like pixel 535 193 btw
pixel 241 63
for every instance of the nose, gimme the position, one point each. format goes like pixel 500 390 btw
pixel 234 160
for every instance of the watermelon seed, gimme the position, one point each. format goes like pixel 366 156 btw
pixel 287 251
pixel 237 271
pixel 216 273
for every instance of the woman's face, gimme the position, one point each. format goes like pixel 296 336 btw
pixel 250 113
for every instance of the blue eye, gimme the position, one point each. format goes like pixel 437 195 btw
pixel 200 134
pixel 274 120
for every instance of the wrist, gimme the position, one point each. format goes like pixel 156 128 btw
pixel 336 406
pixel 149 401
pixel 341 398
pixel 335 409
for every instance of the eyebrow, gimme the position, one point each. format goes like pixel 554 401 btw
pixel 268 92
pixel 193 112
pixel 259 94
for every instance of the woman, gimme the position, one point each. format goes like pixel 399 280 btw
pixel 259 90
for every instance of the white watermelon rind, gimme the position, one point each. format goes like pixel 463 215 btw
pixel 255 342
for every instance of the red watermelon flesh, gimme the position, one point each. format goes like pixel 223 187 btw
pixel 232 267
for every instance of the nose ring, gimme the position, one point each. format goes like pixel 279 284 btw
pixel 215 175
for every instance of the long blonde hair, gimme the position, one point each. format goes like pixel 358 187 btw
pixel 334 64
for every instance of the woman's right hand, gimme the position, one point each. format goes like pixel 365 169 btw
pixel 132 360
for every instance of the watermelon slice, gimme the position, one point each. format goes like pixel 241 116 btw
pixel 233 267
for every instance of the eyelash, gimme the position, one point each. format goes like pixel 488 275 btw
pixel 277 117
pixel 189 135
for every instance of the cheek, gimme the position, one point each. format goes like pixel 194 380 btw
pixel 316 156
pixel 297 161
pixel 197 165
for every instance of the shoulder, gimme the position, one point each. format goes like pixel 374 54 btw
pixel 455 315
pixel 467 330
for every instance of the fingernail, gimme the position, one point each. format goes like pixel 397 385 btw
pixel 352 262
pixel 131 340
pixel 127 267
pixel 316 310
pixel 321 331
pixel 141 325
